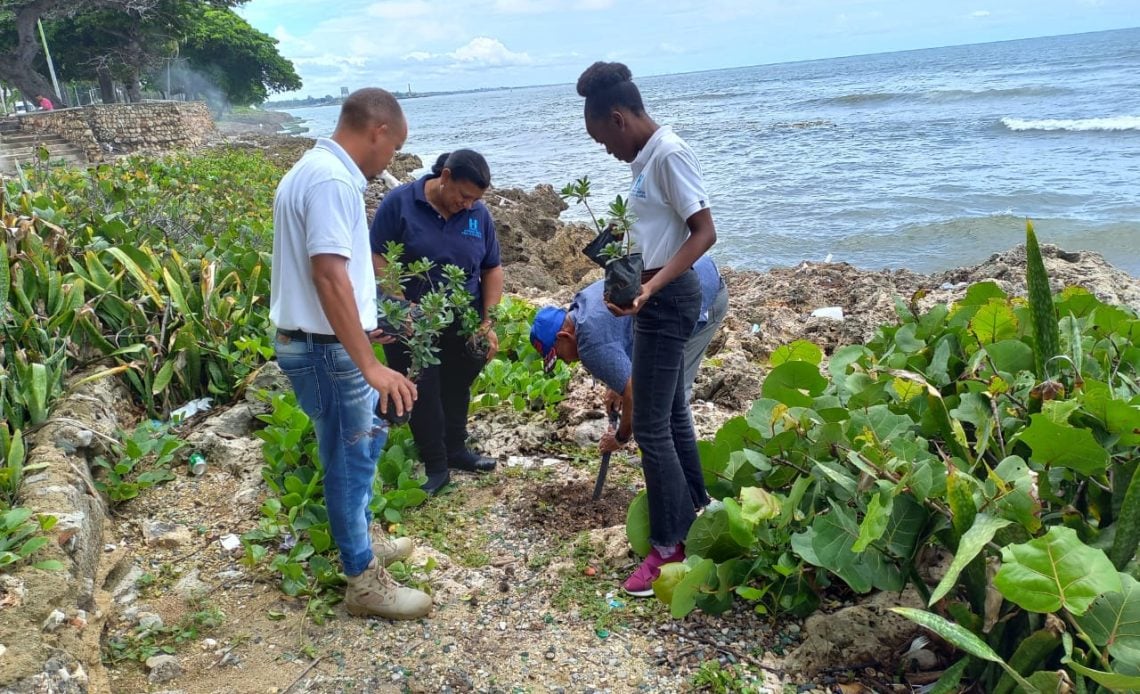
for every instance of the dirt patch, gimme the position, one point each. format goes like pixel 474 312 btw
pixel 569 508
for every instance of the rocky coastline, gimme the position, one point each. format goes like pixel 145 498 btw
pixel 505 546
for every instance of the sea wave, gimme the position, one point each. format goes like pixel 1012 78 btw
pixel 864 98
pixel 1111 124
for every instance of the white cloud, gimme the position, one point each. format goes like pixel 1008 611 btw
pixel 330 60
pixel 419 56
pixel 487 51
pixel 980 14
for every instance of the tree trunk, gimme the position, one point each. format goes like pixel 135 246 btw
pixel 134 89
pixel 106 84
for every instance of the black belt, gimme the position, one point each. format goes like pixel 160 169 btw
pixel 316 338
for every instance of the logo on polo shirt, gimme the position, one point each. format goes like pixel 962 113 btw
pixel 638 189
pixel 472 229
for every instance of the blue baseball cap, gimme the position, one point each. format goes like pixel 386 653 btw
pixel 547 322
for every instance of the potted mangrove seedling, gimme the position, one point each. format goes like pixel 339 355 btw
pixel 476 343
pixel 612 248
pixel 395 314
pixel 415 325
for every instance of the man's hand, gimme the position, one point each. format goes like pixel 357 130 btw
pixel 392 384
pixel 612 402
pixel 379 337
pixel 609 442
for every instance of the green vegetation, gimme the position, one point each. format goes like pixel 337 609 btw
pixel 149 445
pixel 940 431
pixel 143 641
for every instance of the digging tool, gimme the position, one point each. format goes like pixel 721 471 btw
pixel 605 465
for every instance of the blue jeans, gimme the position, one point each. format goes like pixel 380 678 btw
pixel 350 438
pixel 661 420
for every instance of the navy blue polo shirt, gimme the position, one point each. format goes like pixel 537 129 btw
pixel 466 240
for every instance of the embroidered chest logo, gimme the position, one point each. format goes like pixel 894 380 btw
pixel 472 229
pixel 638 189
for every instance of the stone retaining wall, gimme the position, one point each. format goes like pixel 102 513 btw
pixel 158 126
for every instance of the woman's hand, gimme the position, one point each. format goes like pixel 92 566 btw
pixel 632 309
pixel 380 337
pixel 488 331
pixel 609 442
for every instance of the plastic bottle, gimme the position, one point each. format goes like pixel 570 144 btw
pixel 197 463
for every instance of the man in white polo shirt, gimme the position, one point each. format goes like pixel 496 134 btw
pixel 323 302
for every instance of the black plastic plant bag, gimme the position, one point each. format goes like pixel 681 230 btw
pixel 623 280
pixel 593 249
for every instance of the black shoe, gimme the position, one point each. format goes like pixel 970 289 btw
pixel 470 462
pixel 436 482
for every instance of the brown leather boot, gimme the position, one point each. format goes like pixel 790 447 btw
pixel 387 549
pixel 375 594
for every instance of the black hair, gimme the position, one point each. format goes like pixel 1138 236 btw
pixel 607 86
pixel 465 165
pixel 369 106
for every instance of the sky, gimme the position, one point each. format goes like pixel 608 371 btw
pixel 444 45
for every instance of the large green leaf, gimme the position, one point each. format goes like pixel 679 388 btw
pixel 885 424
pixel 994 322
pixel 1114 621
pixel 1011 356
pixel 964 639
pixel 700 579
pixel 1063 445
pixel 794 383
pixel 637 524
pixel 973 541
pixel 1114 681
pixel 874 522
pixel 1055 571
pixel 711 536
pixel 758 505
pixel 800 350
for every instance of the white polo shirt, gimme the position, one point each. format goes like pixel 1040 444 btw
pixel 667 189
pixel 319 208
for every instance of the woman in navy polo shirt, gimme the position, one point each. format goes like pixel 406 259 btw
pixel 673 228
pixel 440 217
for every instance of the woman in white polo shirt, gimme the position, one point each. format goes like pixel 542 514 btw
pixel 673 228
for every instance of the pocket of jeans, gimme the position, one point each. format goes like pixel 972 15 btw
pixel 306 385
pixel 340 365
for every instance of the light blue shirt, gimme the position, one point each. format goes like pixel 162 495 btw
pixel 605 341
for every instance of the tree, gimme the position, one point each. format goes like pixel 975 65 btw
pixel 18 18
pixel 198 47
pixel 242 61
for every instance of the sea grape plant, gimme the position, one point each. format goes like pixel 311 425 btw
pixel 937 433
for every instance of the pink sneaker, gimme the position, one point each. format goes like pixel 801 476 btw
pixel 640 584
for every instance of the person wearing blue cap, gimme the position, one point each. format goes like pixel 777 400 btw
pixel 586 331
pixel 673 227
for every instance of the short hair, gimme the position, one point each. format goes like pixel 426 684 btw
pixel 369 106
pixel 465 165
pixel 607 86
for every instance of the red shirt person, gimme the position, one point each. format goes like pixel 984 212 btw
pixel 45 103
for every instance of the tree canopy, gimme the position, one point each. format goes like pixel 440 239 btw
pixel 198 47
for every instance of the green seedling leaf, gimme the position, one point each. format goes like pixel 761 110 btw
pixel 874 522
pixel 972 543
pixel 1063 445
pixel 1011 356
pixel 1055 571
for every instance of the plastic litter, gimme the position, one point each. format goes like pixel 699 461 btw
pixel 832 312
pixel 190 409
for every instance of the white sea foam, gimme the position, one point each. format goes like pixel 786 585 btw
pixel 1112 124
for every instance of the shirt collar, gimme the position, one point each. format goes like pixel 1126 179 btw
pixel 419 189
pixel 333 147
pixel 646 152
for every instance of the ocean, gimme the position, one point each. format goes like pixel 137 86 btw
pixel 925 159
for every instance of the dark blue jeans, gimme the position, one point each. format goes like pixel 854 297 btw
pixel 661 420
pixel 350 438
